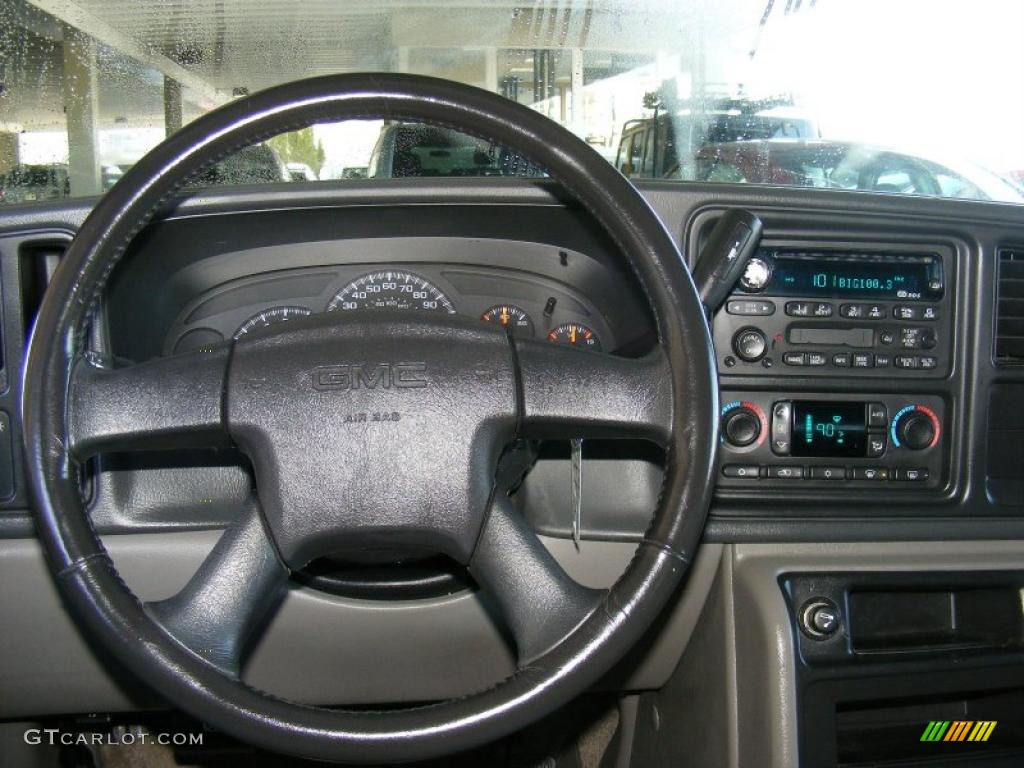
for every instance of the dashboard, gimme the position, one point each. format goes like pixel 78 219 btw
pixel 870 374
pixel 855 356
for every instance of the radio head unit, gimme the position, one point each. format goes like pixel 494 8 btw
pixel 845 275
pixel 838 312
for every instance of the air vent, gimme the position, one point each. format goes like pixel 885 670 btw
pixel 1009 342
pixel 37 261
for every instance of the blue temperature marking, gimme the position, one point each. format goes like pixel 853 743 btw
pixel 895 421
pixel 729 406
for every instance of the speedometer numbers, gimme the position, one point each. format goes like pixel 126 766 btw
pixel 510 316
pixel 390 290
pixel 575 335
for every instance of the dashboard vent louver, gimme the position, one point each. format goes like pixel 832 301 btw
pixel 1009 339
pixel 38 259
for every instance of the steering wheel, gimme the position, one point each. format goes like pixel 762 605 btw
pixel 331 411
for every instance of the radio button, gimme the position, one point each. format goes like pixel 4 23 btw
pixel 816 358
pixel 794 358
pixel 799 308
pixel 887 337
pixel 863 360
pixel 907 361
pixel 877 415
pixel 907 313
pixel 876 446
pixel 929 363
pixel 750 344
pixel 929 313
pixel 871 473
pixel 876 312
pixel 745 471
pixel 841 360
pixel 756 275
pixel 782 472
pixel 853 311
pixel 823 309
pixel 750 307
pixel 828 473
pixel 917 338
pixel 882 361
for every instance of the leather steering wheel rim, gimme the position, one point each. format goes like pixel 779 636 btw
pixel 110 612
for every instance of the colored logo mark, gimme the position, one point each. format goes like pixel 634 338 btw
pixel 958 730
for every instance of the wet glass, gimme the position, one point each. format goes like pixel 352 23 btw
pixel 915 97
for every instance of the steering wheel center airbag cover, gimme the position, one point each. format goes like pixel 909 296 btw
pixel 382 431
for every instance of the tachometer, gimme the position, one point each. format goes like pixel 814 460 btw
pixel 575 335
pixel 390 290
pixel 510 316
pixel 271 316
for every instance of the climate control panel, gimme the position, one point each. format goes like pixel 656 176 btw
pixel 832 440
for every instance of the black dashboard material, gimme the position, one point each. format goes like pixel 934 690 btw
pixel 227 255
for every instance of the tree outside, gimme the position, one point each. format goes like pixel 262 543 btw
pixel 299 147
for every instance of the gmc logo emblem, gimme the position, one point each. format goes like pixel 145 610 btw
pixel 367 376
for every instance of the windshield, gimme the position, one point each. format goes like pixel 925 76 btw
pixel 910 97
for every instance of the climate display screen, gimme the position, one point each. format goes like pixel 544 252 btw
pixel 906 278
pixel 828 429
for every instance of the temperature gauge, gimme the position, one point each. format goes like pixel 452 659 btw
pixel 575 335
pixel 510 316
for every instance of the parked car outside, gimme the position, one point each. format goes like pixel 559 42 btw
pixel 27 183
pixel 416 149
pixel 255 164
pixel 663 146
pixel 300 172
pixel 842 165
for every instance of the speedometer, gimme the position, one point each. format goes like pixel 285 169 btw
pixel 390 290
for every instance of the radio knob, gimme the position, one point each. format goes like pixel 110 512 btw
pixel 750 344
pixel 916 428
pixel 756 275
pixel 742 427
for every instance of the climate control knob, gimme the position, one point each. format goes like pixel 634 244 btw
pixel 750 344
pixel 915 427
pixel 742 427
pixel 743 424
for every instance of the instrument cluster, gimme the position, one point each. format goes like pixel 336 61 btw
pixel 533 307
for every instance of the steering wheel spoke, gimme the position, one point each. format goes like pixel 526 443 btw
pixel 227 600
pixel 540 602
pixel 168 402
pixel 589 394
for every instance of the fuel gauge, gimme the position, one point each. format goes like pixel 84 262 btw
pixel 575 335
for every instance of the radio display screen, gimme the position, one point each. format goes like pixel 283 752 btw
pixel 867 276
pixel 828 429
